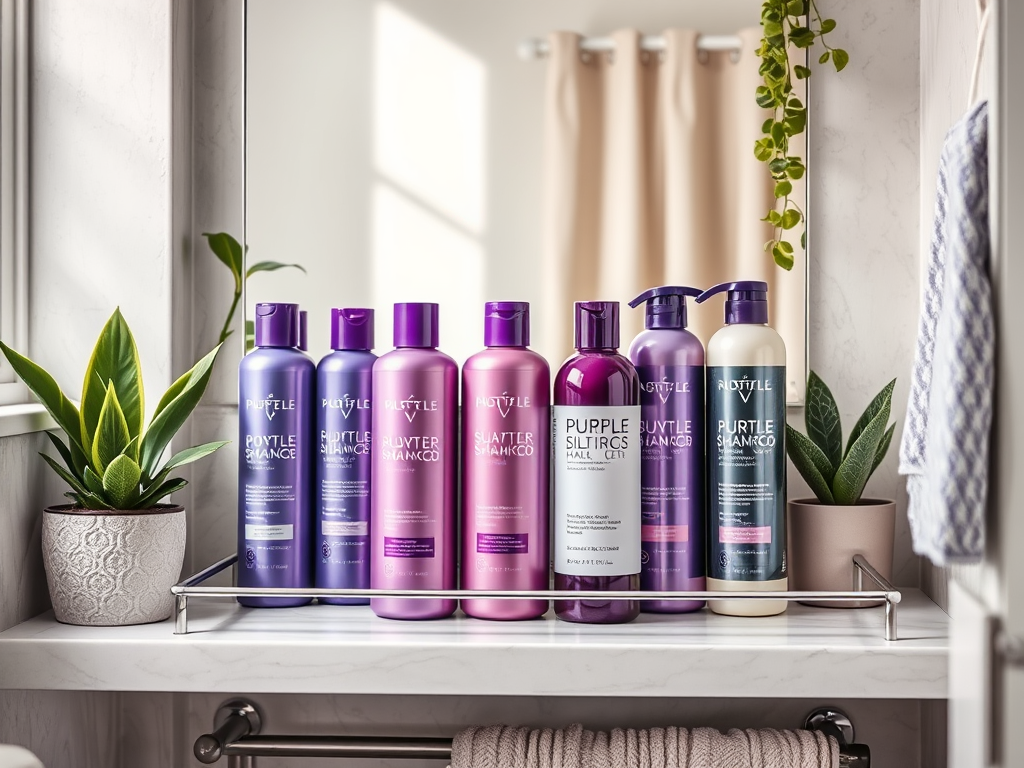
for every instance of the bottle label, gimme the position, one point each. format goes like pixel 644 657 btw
pixel 747 472
pixel 671 472
pixel 343 478
pixel 597 489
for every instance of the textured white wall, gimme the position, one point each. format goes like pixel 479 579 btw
pixel 863 176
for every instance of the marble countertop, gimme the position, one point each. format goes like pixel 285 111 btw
pixel 806 652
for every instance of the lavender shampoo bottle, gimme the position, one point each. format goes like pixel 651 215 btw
pixel 343 382
pixel 596 439
pixel 275 468
pixel 506 426
pixel 670 362
pixel 415 460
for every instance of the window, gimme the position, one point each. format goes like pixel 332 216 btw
pixel 13 190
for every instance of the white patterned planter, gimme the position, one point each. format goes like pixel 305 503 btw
pixel 113 568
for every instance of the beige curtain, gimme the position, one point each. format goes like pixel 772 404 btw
pixel 650 179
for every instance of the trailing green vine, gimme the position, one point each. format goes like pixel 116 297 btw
pixel 786 23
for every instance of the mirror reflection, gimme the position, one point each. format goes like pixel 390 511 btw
pixel 461 151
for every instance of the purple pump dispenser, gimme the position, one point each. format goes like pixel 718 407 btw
pixel 670 362
pixel 344 440
pixel 596 467
pixel 415 455
pixel 747 301
pixel 506 427
pixel 275 472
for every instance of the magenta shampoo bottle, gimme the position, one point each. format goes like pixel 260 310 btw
pixel 670 363
pixel 343 384
pixel 415 461
pixel 596 440
pixel 506 425
pixel 275 466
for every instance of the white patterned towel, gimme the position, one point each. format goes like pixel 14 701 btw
pixel 944 452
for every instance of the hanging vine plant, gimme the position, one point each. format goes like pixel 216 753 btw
pixel 785 24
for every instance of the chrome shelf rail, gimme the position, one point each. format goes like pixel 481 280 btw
pixel 193 587
pixel 238 723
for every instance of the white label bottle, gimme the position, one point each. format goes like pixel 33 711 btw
pixel 746 453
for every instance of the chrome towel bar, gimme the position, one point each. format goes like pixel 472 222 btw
pixel 238 723
pixel 192 587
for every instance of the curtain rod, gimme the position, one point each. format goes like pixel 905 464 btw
pixel 538 48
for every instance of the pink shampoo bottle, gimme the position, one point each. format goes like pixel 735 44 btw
pixel 413 475
pixel 506 423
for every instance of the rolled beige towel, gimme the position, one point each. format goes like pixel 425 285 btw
pixel 500 746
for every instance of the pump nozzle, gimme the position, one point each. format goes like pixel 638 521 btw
pixel 666 305
pixel 747 301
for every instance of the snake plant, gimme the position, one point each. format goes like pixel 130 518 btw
pixel 112 459
pixel 838 476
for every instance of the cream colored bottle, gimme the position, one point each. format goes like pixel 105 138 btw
pixel 746 453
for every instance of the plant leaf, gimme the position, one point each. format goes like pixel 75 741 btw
pixel 228 250
pixel 824 427
pixel 112 436
pixel 153 497
pixel 824 57
pixel 810 462
pixel 65 453
pixel 181 458
pixel 783 259
pixel 85 497
pixel 853 473
pixel 175 411
pixel 882 400
pixel 840 59
pixel 115 359
pixel 827 25
pixel 783 188
pixel 883 448
pixel 47 392
pixel 121 481
pixel 271 266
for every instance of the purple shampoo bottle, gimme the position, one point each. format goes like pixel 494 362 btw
pixel 670 362
pixel 275 466
pixel 596 439
pixel 506 427
pixel 415 460
pixel 344 397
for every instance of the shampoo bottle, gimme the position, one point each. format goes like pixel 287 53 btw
pixel 670 363
pixel 596 440
pixel 746 453
pixel 343 429
pixel 275 466
pixel 415 461
pixel 506 425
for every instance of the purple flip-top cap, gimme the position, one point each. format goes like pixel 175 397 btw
pixel 746 302
pixel 666 305
pixel 277 325
pixel 507 324
pixel 351 328
pixel 416 325
pixel 303 337
pixel 597 324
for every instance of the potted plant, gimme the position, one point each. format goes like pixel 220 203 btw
pixel 112 556
pixel 827 531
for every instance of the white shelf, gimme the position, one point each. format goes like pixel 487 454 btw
pixel 805 653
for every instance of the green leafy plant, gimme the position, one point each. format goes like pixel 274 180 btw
pixel 785 24
pixel 230 252
pixel 111 459
pixel 838 476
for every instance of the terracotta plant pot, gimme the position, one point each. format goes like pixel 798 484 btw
pixel 823 539
pixel 109 568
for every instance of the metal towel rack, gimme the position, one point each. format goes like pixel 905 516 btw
pixel 192 587
pixel 237 726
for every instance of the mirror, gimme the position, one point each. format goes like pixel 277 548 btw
pixel 456 151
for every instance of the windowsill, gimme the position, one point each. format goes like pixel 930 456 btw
pixel 23 419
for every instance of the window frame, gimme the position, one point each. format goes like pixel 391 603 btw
pixel 14 179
